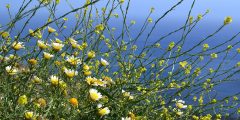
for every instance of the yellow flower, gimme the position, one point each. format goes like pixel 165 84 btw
pixel 11 70
pixel 22 100
pixel 47 55
pixel 32 61
pixel 199 16
pixel 150 20
pixel 121 1
pixel 180 104
pixel 36 80
pixel 94 94
pixel 161 62
pixel 125 94
pixel 84 44
pixel 4 34
pixel 58 40
pixel 31 32
pixel 171 45
pixel 227 20
pixel 28 115
pixel 17 45
pixel 191 19
pixel 104 62
pixel 58 63
pixel 87 73
pixel 214 55
pixel 99 28
pixel 74 102
pixel 107 79
pixel 54 80
pixel 200 100
pixel 95 82
pixel 205 47
pixel 57 46
pixel 86 67
pixel 73 60
pixel 179 112
pixel 41 44
pixel 183 64
pixel 74 43
pixel 103 111
pixel 91 54
pixel 38 34
pixel 51 30
pixel 57 1
pixel 45 1
pixel 62 85
pixel 42 102
pixel 70 73
pixel 132 115
pixel 195 117
pixel 90 80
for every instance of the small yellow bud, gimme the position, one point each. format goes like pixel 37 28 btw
pixel 91 54
pixel 227 20
pixel 51 30
pixel 28 115
pixel 73 101
pixel 22 100
pixel 32 61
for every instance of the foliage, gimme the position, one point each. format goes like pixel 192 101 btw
pixel 91 70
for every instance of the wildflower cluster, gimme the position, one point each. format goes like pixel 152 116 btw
pixel 92 70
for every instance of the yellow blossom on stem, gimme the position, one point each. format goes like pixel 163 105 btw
pixel 54 80
pixel 36 80
pixel 214 55
pixel 103 111
pixel 17 45
pixel 183 64
pixel 171 45
pixel 31 32
pixel 121 1
pixel 199 17
pixel 57 1
pixel 57 46
pixel 104 62
pixel 205 47
pixel 87 73
pixel 191 19
pixel 227 20
pixel 73 60
pixel 32 61
pixel 28 115
pixel 11 70
pixel 47 55
pixel 4 35
pixel 41 44
pixel 86 67
pixel 51 30
pixel 22 100
pixel 42 102
pixel 95 95
pixel 73 101
pixel 91 54
pixel 180 104
pixel 70 73
pixel 74 43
